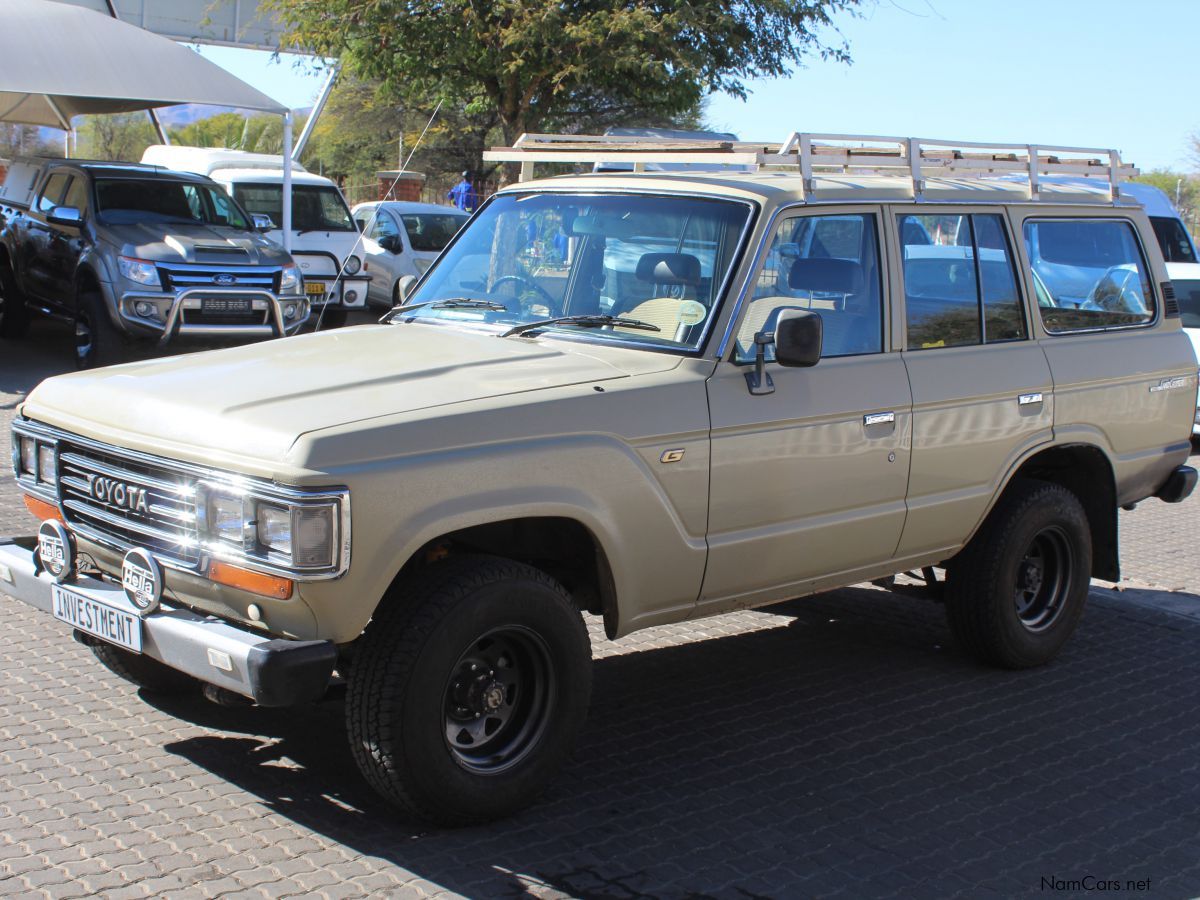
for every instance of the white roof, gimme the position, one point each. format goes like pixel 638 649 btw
pixel 411 206
pixel 207 160
pixel 62 61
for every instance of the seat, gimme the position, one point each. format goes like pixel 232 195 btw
pixel 847 326
pixel 675 277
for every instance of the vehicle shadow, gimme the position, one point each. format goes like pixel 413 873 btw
pixel 846 749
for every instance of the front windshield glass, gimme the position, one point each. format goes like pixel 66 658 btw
pixel 136 201
pixel 656 259
pixel 431 232
pixel 314 208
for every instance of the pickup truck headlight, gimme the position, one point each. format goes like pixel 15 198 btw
pixel 286 535
pixel 140 270
pixel 289 280
pixel 353 264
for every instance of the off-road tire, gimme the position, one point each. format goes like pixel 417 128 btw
pixel 14 314
pixel 107 345
pixel 399 698
pixel 986 583
pixel 148 674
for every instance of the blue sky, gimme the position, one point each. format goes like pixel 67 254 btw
pixel 1095 73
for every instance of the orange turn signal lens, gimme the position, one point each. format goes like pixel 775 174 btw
pixel 41 508
pixel 254 582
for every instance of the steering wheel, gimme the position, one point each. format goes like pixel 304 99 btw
pixel 527 282
pixel 1114 293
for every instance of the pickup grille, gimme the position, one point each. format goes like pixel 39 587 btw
pixel 129 502
pixel 177 276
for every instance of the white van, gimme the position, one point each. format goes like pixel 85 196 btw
pixel 1183 263
pixel 325 240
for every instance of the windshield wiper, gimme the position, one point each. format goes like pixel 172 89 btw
pixel 449 303
pixel 589 321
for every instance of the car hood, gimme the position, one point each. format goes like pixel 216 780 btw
pixel 204 244
pixel 253 402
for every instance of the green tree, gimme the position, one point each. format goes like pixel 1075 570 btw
pixel 553 64
pixel 1183 189
pixel 122 136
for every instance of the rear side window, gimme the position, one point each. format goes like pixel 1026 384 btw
pixel 1088 274
pixel 959 283
pixel 1173 240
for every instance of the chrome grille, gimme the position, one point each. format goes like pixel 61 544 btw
pixel 103 493
pixel 178 276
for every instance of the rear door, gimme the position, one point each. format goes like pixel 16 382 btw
pixel 981 386
pixel 808 481
pixel 35 249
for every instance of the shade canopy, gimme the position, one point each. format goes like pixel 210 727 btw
pixel 61 61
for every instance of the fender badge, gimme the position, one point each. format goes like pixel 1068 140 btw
pixel 142 579
pixel 56 550
pixel 670 456
pixel 1169 384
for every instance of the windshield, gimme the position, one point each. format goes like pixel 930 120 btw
pixel 314 207
pixel 431 232
pixel 1173 239
pixel 659 260
pixel 133 201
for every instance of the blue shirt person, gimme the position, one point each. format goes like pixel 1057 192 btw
pixel 463 194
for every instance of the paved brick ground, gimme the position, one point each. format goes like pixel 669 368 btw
pixel 838 746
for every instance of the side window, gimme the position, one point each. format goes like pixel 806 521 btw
pixel 194 204
pixel 223 208
pixel 959 284
pixel 384 227
pixel 77 194
pixel 52 193
pixel 827 264
pixel 1089 274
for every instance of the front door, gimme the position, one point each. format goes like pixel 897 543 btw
pixel 809 481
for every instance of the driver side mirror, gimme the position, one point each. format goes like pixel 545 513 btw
pixel 797 340
pixel 405 285
pixel 798 336
pixel 262 223
pixel 65 215
pixel 391 243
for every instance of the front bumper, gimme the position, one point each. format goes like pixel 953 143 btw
pixel 270 671
pixel 269 319
pixel 340 292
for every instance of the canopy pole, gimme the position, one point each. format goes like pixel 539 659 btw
pixel 63 122
pixel 318 108
pixel 286 210
pixel 158 128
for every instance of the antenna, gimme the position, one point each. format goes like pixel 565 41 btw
pixel 375 210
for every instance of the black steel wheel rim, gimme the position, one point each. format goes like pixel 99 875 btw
pixel 498 699
pixel 1044 578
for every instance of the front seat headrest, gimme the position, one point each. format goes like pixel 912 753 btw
pixel 826 275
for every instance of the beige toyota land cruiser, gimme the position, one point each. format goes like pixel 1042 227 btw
pixel 652 396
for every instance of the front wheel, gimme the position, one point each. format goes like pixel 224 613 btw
pixel 148 674
pixel 1016 592
pixel 469 690
pixel 97 340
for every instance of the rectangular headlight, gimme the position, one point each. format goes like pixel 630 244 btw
pixel 28 456
pixel 45 459
pixel 226 518
pixel 275 528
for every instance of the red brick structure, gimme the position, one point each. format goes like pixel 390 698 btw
pixel 395 185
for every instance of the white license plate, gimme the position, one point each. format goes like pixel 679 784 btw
pixel 98 619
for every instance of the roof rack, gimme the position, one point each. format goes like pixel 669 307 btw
pixel 830 154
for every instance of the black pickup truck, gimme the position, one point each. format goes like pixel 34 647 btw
pixel 131 252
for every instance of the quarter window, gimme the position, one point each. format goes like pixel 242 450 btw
pixel 959 284
pixel 826 264
pixel 1088 273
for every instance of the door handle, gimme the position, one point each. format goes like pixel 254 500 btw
pixel 1029 399
pixel 883 418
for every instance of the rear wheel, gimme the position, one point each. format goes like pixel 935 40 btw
pixel 467 694
pixel 1016 592
pixel 148 674
pixel 14 314
pixel 97 341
